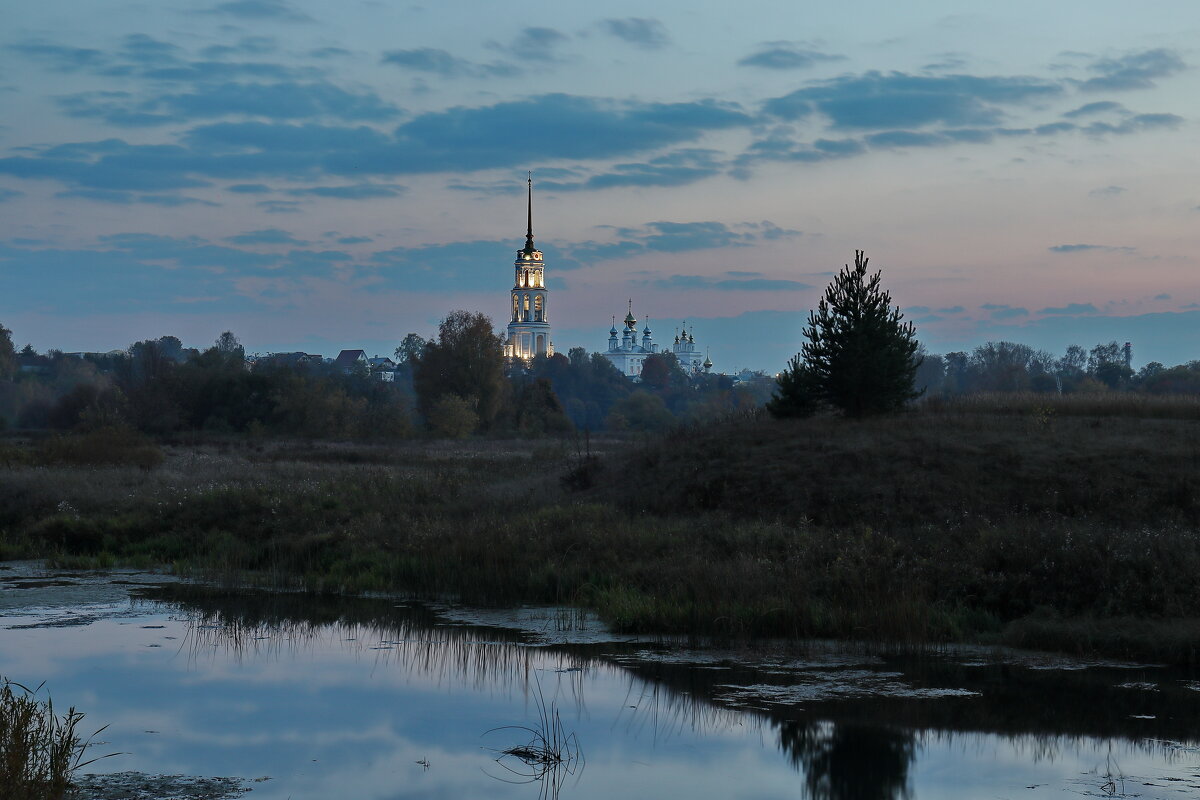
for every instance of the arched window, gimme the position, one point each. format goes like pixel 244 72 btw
pixel 541 344
pixel 538 311
pixel 516 304
pixel 525 316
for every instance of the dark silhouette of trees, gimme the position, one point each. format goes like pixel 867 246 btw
pixel 8 354
pixel 859 358
pixel 466 361
pixel 410 349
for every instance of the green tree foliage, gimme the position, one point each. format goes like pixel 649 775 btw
pixel 465 361
pixel 860 357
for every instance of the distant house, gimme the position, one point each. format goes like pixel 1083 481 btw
pixel 351 361
pixel 383 369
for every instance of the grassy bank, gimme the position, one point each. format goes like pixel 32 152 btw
pixel 1073 532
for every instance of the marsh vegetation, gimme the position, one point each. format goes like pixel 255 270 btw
pixel 1069 525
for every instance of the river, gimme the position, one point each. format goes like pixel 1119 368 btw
pixel 375 699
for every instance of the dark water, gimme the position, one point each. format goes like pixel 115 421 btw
pixel 337 698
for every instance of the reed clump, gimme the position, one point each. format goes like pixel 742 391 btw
pixel 39 749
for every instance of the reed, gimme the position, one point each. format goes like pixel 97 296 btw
pixel 40 750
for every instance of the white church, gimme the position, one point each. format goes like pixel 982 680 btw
pixel 628 355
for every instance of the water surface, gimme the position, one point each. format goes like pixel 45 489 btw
pixel 377 699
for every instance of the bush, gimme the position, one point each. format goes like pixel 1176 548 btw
pixel 453 416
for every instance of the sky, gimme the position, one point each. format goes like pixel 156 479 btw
pixel 317 176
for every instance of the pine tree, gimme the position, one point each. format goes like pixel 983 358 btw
pixel 860 357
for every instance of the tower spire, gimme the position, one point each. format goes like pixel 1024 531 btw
pixel 529 248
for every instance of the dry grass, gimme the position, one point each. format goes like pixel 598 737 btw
pixel 933 526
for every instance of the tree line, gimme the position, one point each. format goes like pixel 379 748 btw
pixel 456 384
pixel 860 358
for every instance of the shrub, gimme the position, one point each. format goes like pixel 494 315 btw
pixel 453 416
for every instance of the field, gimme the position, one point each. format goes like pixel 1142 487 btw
pixel 1050 524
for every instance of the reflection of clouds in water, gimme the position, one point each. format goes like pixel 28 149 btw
pixel 250 687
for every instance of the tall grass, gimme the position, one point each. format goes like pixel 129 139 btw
pixel 923 527
pixel 39 750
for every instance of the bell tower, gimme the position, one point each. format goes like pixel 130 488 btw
pixel 529 326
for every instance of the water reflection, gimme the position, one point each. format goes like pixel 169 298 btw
pixel 380 700
pixel 849 762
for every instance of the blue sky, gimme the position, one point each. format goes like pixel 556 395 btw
pixel 315 178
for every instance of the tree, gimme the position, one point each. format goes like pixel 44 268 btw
pixel 466 361
pixel 410 349
pixel 860 357
pixel 8 353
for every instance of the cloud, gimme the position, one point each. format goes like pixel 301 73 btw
pixel 569 127
pixel 640 31
pixel 360 191
pixel 468 266
pixel 1003 311
pixel 259 10
pixel 1134 70
pixel 440 62
pixel 249 188
pixel 1083 248
pixel 247 45
pixel 9 194
pixel 286 100
pixel 59 57
pixel 1135 124
pixel 1162 297
pixel 780 147
pixel 1070 309
pixel 676 237
pixel 129 198
pixel 455 140
pixel 898 100
pixel 786 56
pixel 144 49
pixel 535 44
pixel 279 206
pixel 740 284
pixel 1092 109
pixel 329 52
pixel 673 169
pixel 264 236
pixel 354 239
pixel 951 310
pixel 280 137
pixel 1106 191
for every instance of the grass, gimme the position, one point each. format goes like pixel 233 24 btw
pixel 1075 533
pixel 550 755
pixel 39 750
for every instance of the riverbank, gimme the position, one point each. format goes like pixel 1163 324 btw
pixel 1040 529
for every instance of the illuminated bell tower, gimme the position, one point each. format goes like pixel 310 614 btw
pixel 528 328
